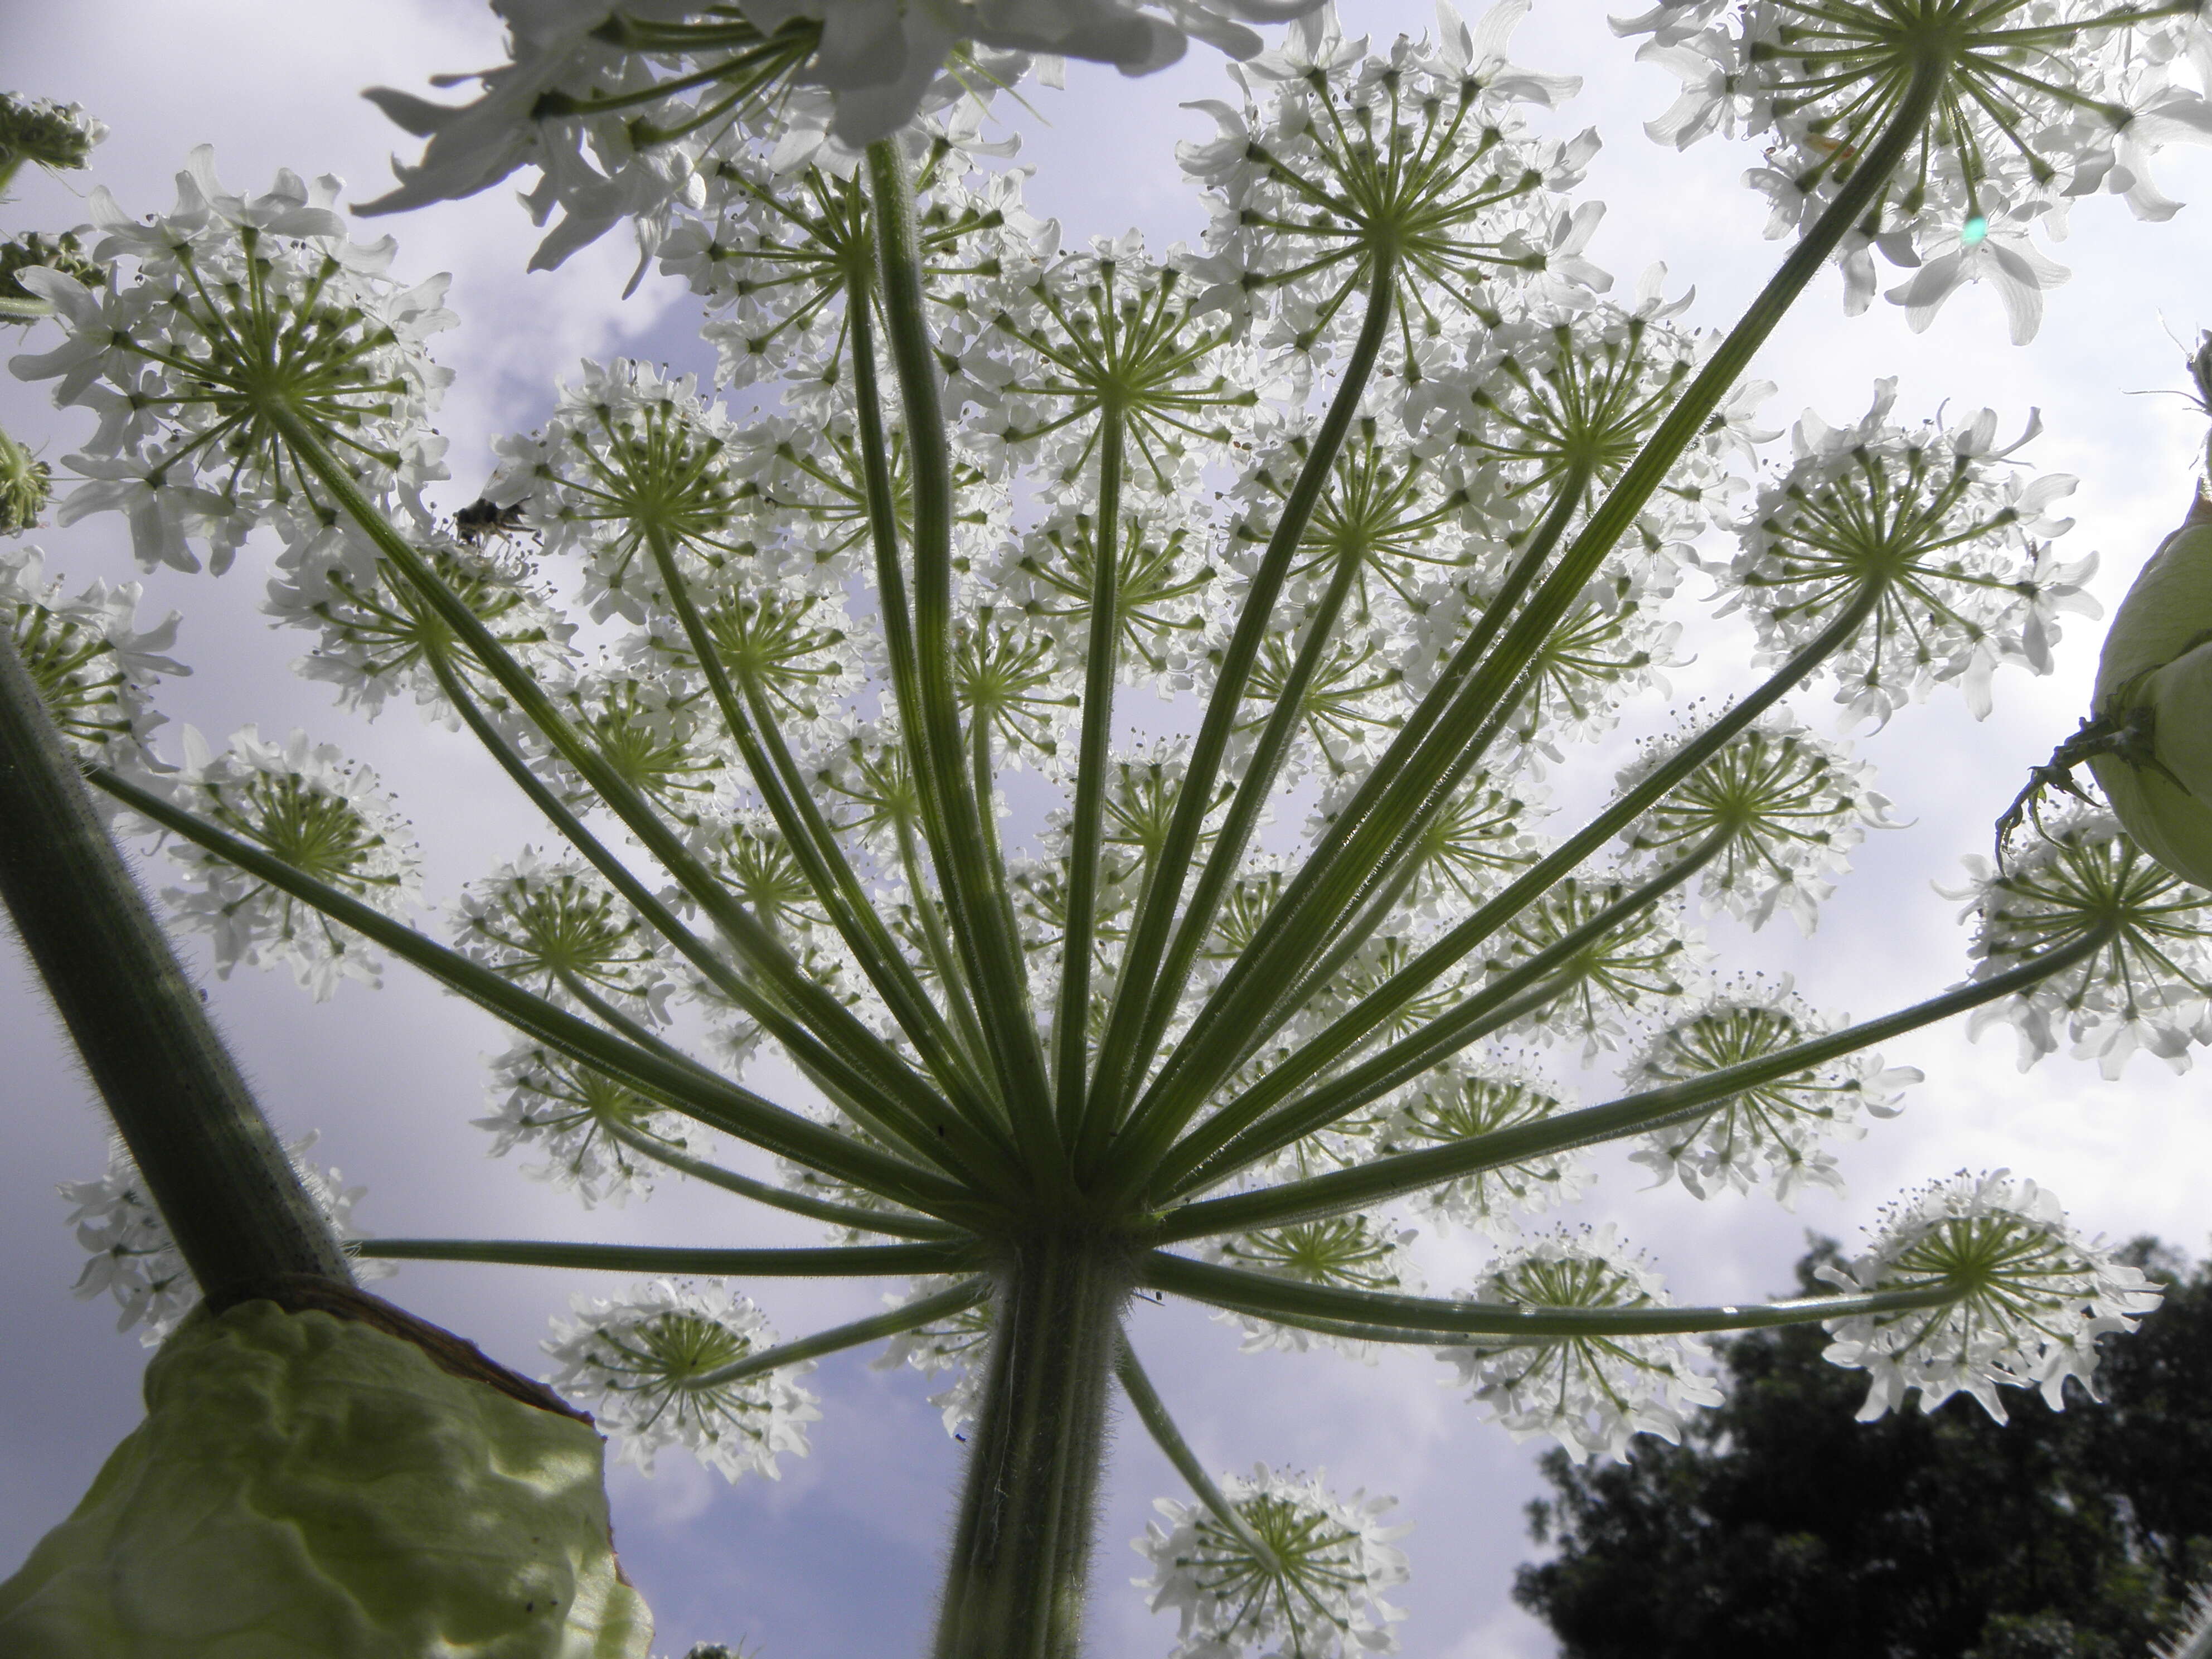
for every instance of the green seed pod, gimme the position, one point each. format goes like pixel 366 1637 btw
pixel 2154 689
pixel 304 1483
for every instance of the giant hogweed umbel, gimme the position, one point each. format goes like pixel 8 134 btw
pixel 1388 498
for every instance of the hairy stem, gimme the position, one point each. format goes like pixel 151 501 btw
pixel 230 1196
pixel 1021 1550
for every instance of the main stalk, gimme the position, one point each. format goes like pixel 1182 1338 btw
pixel 1021 1553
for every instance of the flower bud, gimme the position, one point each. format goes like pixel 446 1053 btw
pixel 25 486
pixel 307 1483
pixel 2154 683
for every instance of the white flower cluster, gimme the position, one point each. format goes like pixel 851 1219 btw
pixel 959 1343
pixel 1302 1577
pixel 576 1116
pixel 2148 987
pixel 635 111
pixel 1282 228
pixel 242 311
pixel 1591 1393
pixel 318 812
pixel 1937 528
pixel 93 663
pixel 377 637
pixel 44 133
pixel 1787 806
pixel 1461 1101
pixel 556 925
pixel 2033 1297
pixel 646 1367
pixel 134 1259
pixel 1777 1129
pixel 1355 1251
pixel 2047 101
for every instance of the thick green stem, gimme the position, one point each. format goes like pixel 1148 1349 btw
pixel 1071 1022
pixel 808 835
pixel 806 1017
pixel 1149 980
pixel 231 1198
pixel 1548 973
pixel 722 1105
pixel 992 949
pixel 1419 781
pixel 1021 1550
pixel 845 1261
pixel 1207 1069
pixel 1263 1296
pixel 890 1224
pixel 1466 657
pixel 1387 1178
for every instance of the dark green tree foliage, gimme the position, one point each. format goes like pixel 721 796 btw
pixel 1783 1528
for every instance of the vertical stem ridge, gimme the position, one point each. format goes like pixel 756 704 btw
pixel 1021 1552
pixel 993 950
pixel 1072 1021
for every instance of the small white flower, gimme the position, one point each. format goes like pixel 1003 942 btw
pixel 646 1366
pixel 1779 1128
pixel 959 1343
pixel 318 812
pixel 2149 989
pixel 1312 1590
pixel 1591 1393
pixel 2033 1297
pixel 134 1258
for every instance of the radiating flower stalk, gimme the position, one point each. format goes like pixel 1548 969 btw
pixel 1392 504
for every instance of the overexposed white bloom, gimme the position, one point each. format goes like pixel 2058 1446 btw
pixel 245 314
pixel 1933 532
pixel 2147 987
pixel 1591 1393
pixel 308 805
pixel 1302 1577
pixel 2040 103
pixel 1779 1129
pixel 2033 1297
pixel 646 1365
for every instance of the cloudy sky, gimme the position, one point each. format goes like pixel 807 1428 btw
pixel 840 1558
